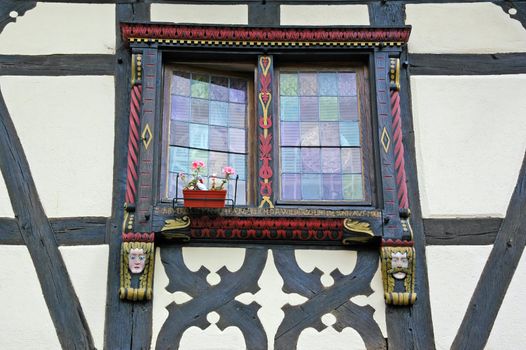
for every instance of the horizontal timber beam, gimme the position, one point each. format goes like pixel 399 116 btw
pixel 68 231
pixel 479 231
pixel 285 2
pixel 467 64
pixel 56 65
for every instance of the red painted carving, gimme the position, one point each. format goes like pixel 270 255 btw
pixel 138 237
pixel 401 181
pixel 133 144
pixel 396 243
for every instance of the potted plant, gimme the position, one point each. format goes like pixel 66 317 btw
pixel 195 192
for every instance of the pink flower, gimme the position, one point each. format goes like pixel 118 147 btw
pixel 228 170
pixel 198 164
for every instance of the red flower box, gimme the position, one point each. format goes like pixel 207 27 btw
pixel 204 199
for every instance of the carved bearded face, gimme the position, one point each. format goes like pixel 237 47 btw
pixel 136 260
pixel 399 263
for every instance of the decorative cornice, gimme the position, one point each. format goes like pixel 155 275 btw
pixel 243 36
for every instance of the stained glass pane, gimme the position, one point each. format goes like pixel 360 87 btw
pixel 179 133
pixel 219 89
pixel 236 140
pixel 178 159
pixel 348 108
pixel 329 108
pixel 199 111
pixel 330 160
pixel 308 84
pixel 237 115
pixel 181 84
pixel 309 109
pixel 310 186
pixel 216 162
pixel 289 108
pixel 238 162
pixel 332 187
pixel 352 187
pixel 218 113
pixel 329 134
pixel 351 160
pixel 197 154
pixel 288 84
pixel 180 108
pixel 328 84
pixel 310 134
pixel 291 186
pixel 198 136
pixel 238 90
pixel 347 84
pixel 200 86
pixel 218 138
pixel 310 160
pixel 349 134
pixel 290 133
pixel 290 160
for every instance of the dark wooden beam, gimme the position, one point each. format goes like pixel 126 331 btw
pixel 55 65
pixel 18 6
pixel 127 325
pixel 497 274
pixel 62 302
pixel 387 13
pixel 480 231
pixel 263 14
pixel 467 64
pixel 68 231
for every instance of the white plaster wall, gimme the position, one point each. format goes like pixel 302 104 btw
pixel 88 268
pixel 270 297
pixel 463 28
pixel 324 15
pixel 52 28
pixel 25 322
pixel 470 134
pixel 453 273
pixel 6 210
pixel 211 14
pixel 66 126
pixel 508 328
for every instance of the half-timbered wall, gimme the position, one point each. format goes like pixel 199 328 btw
pixel 64 77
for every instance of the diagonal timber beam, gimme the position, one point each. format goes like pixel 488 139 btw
pixel 62 302
pixel 497 274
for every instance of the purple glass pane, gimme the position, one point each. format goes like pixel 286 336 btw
pixel 291 186
pixel 236 140
pixel 199 111
pixel 180 108
pixel 290 133
pixel 308 84
pixel 310 134
pixel 216 162
pixel 330 160
pixel 328 84
pixel 218 139
pixel 309 109
pixel 179 133
pixel 348 108
pixel 290 160
pixel 219 89
pixel 351 160
pixel 329 134
pixel 218 113
pixel 238 90
pixel 347 84
pixel 311 186
pixel 237 115
pixel 180 84
pixel 310 160
pixel 332 187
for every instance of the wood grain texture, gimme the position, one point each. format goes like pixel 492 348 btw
pixel 461 231
pixel 467 64
pixel 387 13
pixel 62 302
pixel 68 231
pixel 56 65
pixel 263 14
pixel 500 267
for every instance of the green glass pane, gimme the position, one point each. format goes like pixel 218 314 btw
pixel 329 109
pixel 197 154
pixel 352 187
pixel 200 86
pixel 288 84
pixel 289 108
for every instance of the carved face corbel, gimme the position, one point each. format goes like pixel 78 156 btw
pixel 398 273
pixel 136 270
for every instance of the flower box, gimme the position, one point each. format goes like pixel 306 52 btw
pixel 204 199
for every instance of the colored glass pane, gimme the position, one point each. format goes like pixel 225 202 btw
pixel 180 108
pixel 291 186
pixel 237 115
pixel 199 111
pixel 329 109
pixel 308 84
pixel 238 162
pixel 197 154
pixel 310 186
pixel 352 187
pixel 328 84
pixel 218 113
pixel 198 136
pixel 289 108
pixel 288 84
pixel 351 160
pixel 236 140
pixel 179 159
pixel 332 187
pixel 330 160
pixel 310 160
pixel 218 138
pixel 200 86
pixel 238 90
pixel 179 133
pixel 290 160
pixel 309 109
pixel 219 88
pixel 348 108
pixel 349 134
pixel 310 134
pixel 329 134
pixel 216 162
pixel 347 84
pixel 180 84
pixel 290 133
